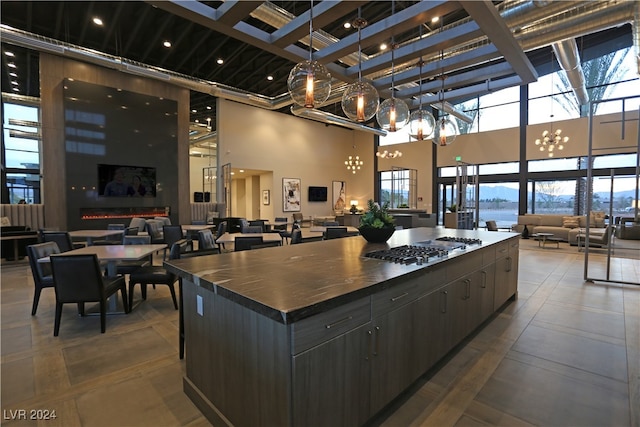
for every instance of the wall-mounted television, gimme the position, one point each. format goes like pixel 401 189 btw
pixel 317 194
pixel 126 181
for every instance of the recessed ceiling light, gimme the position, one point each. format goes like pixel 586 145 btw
pixel 241 171
pixel 197 121
pixel 194 111
pixel 383 46
pixel 13 74
pixel 208 107
pixel 220 61
pixel 97 21
pixel 270 78
pixel 10 54
pixel 13 82
pixel 11 65
pixel 435 19
pixel 16 89
pixel 347 25
pixel 166 43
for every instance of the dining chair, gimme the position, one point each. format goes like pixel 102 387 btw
pixel 154 275
pixel 171 233
pixel 280 226
pixel 286 235
pixel 42 277
pixel 335 233
pixel 206 239
pixel 256 229
pixel 78 279
pixel 259 223
pixel 296 236
pixel 244 243
pixel 154 229
pixel 222 228
pixel 61 238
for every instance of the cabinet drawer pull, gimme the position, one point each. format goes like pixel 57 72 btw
pixel 370 334
pixel 331 325
pixel 467 283
pixel 503 250
pixel 377 338
pixel 443 308
pixel 394 299
pixel 484 279
pixel 509 261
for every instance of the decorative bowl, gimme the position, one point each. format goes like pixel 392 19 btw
pixel 376 235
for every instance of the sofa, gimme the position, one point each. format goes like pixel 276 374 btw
pixel 562 226
pixel 205 213
pixel 15 239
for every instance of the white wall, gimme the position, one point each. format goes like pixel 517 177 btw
pixel 292 147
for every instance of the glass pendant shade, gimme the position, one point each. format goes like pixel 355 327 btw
pixel 393 114
pixel 360 101
pixel 421 125
pixel 445 132
pixel 309 84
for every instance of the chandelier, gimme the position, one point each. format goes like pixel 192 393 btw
pixel 353 163
pixel 309 82
pixel 552 141
pixel 360 99
pixel 389 154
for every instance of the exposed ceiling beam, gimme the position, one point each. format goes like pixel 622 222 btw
pixel 233 11
pixel 486 15
pixel 471 91
pixel 323 14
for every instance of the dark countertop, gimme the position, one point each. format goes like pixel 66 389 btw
pixel 296 281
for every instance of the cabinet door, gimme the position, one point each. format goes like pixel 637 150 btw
pixel 433 318
pixel 482 294
pixel 331 381
pixel 394 357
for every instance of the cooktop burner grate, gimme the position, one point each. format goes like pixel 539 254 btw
pixel 409 254
pixel 465 240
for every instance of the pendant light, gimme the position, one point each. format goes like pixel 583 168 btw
pixel 446 129
pixel 421 122
pixel 360 99
pixel 309 81
pixel 553 140
pixel 393 113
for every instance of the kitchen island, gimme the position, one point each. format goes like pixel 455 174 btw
pixel 320 334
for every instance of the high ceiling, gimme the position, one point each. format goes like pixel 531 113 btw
pixel 481 46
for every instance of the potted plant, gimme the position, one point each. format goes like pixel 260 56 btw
pixel 376 224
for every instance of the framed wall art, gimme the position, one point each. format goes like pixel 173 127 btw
pixel 339 195
pixel 266 197
pixel 291 194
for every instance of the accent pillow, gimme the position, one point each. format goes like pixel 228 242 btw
pixel 211 215
pixel 5 222
pixel 570 221
pixel 596 219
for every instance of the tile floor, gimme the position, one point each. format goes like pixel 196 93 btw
pixel 565 353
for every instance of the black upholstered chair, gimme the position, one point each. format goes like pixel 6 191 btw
pixel 42 276
pixel 222 228
pixel 206 239
pixel 154 275
pixel 61 238
pixel 259 223
pixel 286 235
pixel 255 229
pixel 154 229
pixel 244 243
pixel 296 236
pixel 171 233
pixel 280 227
pixel 78 279
pixel 335 233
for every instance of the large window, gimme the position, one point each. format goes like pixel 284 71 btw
pixel 399 188
pixel 21 128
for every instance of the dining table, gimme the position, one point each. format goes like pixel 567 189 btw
pixel 112 255
pixel 266 237
pixel 89 235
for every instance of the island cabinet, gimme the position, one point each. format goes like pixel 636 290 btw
pixel 334 363
pixel 506 272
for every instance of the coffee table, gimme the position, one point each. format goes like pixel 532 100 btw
pixel 544 238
